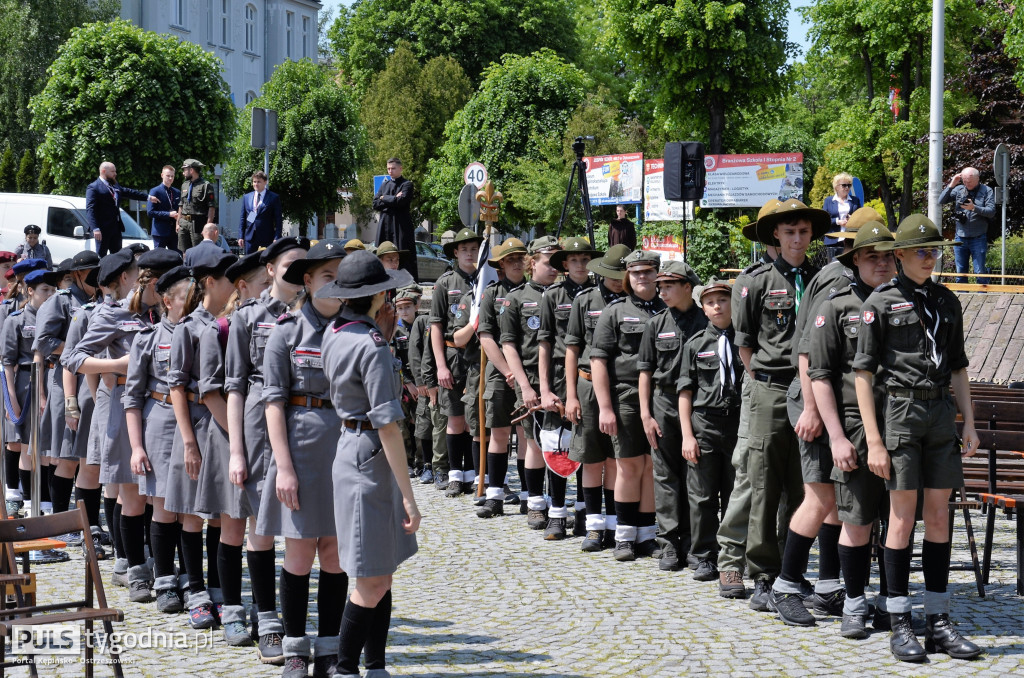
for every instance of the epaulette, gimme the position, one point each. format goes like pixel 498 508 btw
pixel 63 293
pixel 658 312
pixel 249 302
pixel 147 328
pixel 285 317
pixel 616 301
pixel 18 312
pixel 6 301
pixel 755 271
pixel 840 292
pixel 886 286
pixel 750 269
pixel 491 284
pixel 88 306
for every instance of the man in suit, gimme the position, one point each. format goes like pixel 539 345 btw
pixel 102 208
pixel 210 241
pixel 393 202
pixel 261 220
pixel 164 212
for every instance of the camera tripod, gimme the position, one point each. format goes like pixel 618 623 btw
pixel 578 173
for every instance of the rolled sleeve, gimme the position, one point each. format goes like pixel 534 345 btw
pixel 179 371
pixel 687 374
pixel 509 322
pixel 50 326
pixel 382 389
pixel 604 342
pixel 439 304
pixel 277 364
pixel 237 362
pixel 134 396
pixel 9 340
pixel 548 328
pixel 211 360
pixel 958 359
pixel 824 346
pixel 871 341
pixel 744 318
pixel 647 356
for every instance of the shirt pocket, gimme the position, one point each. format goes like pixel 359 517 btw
pixel 780 310
pixel 307 369
pixel 904 328
pixel 162 360
pixel 530 319
pixel 562 312
pixel 590 319
pixel 631 333
pixel 707 369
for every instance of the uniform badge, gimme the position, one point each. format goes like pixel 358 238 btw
pixel 869 317
pixel 533 323
pixel 706 354
pixel 819 321
pixel 666 335
pixel 453 308
pixel 744 292
pixel 902 306
pixel 458 314
pixel 781 319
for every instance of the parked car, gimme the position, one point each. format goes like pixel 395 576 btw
pixel 431 263
pixel 63 221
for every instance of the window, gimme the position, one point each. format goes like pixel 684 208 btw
pixel 249 96
pixel 289 26
pixel 250 28
pixel 225 22
pixel 61 222
pixel 305 37
pixel 178 17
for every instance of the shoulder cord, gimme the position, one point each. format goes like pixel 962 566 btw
pixel 7 400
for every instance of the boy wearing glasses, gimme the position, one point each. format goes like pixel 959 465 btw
pixel 912 338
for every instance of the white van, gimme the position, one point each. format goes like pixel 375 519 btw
pixel 63 221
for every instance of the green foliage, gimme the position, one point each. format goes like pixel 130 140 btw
pixel 26 177
pixel 708 246
pixel 1014 44
pixel 1014 256
pixel 8 184
pixel 45 184
pixel 320 141
pixel 476 33
pixel 879 206
pixel 132 97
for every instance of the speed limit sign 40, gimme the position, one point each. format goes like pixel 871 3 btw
pixel 475 173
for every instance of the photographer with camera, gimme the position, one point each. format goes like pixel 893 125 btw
pixel 974 204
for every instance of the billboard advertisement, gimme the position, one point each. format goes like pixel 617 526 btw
pixel 615 179
pixel 752 180
pixel 656 208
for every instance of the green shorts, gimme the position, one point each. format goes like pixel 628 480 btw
pixel 589 445
pixel 631 441
pixel 861 497
pixel 528 423
pixel 815 456
pixel 471 401
pixel 923 445
pixel 499 401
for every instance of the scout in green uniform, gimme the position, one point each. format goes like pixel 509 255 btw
pixel 499 397
pixel 430 423
pixel 912 336
pixel 709 402
pixel 198 205
pixel 519 319
pixel 405 310
pixel 832 344
pixel 660 362
pixel 765 320
pixel 613 359
pixel 732 533
pixel 464 337
pixel 451 368
pixel 555 309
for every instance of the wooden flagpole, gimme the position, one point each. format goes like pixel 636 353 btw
pixel 489 205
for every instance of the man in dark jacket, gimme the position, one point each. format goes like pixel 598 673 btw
pixel 261 219
pixel 164 212
pixel 392 201
pixel 102 208
pixel 621 230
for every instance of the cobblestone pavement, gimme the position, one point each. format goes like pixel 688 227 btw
pixel 492 598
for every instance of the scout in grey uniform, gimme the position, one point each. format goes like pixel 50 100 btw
pixel 709 403
pixel 451 369
pixel 859 494
pixel 589 445
pixel 299 490
pixel 765 322
pixel 555 309
pixel 374 508
pixel 613 361
pixel 519 319
pixel 212 289
pixel 32 248
pixel 499 398
pixel 198 205
pixel 912 336
pixel 659 362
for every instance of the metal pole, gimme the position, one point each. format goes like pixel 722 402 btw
pixel 37 467
pixel 1006 192
pixel 935 124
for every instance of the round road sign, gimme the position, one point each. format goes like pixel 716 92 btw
pixel 476 174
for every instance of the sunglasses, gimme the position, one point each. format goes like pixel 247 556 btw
pixel 927 253
pixel 846 185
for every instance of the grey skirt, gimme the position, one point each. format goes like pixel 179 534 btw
pixel 180 496
pixel 368 509
pixel 75 444
pixel 257 446
pixel 115 448
pixel 54 415
pixel 100 412
pixel 158 429
pixel 214 492
pixel 312 441
pixel 18 433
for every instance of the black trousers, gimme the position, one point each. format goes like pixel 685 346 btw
pixel 110 240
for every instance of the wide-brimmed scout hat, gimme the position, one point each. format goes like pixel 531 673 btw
pixel 509 247
pixel 573 246
pixel 85 260
pixel 324 250
pixel 857 219
pixel 790 211
pixel 388 247
pixel 677 271
pixel 361 274
pixel 870 235
pixel 714 285
pixel 612 264
pixel 465 235
pixel 917 230
pixel 750 230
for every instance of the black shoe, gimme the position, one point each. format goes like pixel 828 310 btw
pixel 807 593
pixel 730 585
pixel 555 530
pixel 762 593
pixel 941 636
pixel 469 488
pixel 511 498
pixel 790 607
pixel 881 621
pixel 829 604
pixel 491 508
pixel 536 520
pixel 853 627
pixel 325 667
pixel 579 526
pixel 669 561
pixel 624 552
pixel 648 549
pixel 440 482
pixel 454 489
pixel 524 508
pixel 706 570
pixel 903 642
pixel 609 538
pixel 593 542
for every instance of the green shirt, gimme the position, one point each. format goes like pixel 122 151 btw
pixel 490 304
pixel 586 311
pixel 617 338
pixel 661 347
pixel 519 318
pixel 700 372
pixel 197 197
pixel 830 279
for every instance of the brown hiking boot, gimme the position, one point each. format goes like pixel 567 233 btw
pixel 730 584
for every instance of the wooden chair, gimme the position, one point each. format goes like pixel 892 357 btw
pixel 68 611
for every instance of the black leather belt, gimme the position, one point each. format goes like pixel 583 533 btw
pixel 919 393
pixel 717 411
pixel 773 380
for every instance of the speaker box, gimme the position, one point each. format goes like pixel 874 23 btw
pixel 684 170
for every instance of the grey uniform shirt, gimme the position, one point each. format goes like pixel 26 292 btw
pixel 54 319
pixel 293 362
pixel 149 362
pixel 80 321
pixel 250 329
pixel 112 328
pixel 184 367
pixel 17 336
pixel 211 359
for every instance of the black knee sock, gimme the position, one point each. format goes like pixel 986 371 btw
pixel 377 640
pixel 109 504
pixel 332 592
pixel 609 502
pixel 92 499
pixel 26 483
pixel 192 549
pixel 181 552
pixel 427 450
pixel 454 452
pixel 935 563
pixel 261 576
pixel 579 486
pixel 474 453
pixel 133 534
pixel 165 542
pixel 535 482
pixel 294 603
pixel 557 485
pixel 148 513
pixel 115 533
pixel 229 569
pixel 897 571
pixel 521 470
pixel 44 485
pixel 11 460
pixel 355 627
pixel 497 465
pixel 646 519
pixel 854 562
pixel 592 498
pixel 883 579
pixel 828 551
pixel 60 492
pixel 794 558
pixel 628 513
pixel 465 447
pixel 212 546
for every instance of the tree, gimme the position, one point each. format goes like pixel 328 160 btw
pixel 45 184
pixel 321 143
pixel 26 177
pixel 475 33
pixel 522 104
pixel 7 172
pixel 30 33
pixel 701 60
pixel 133 97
